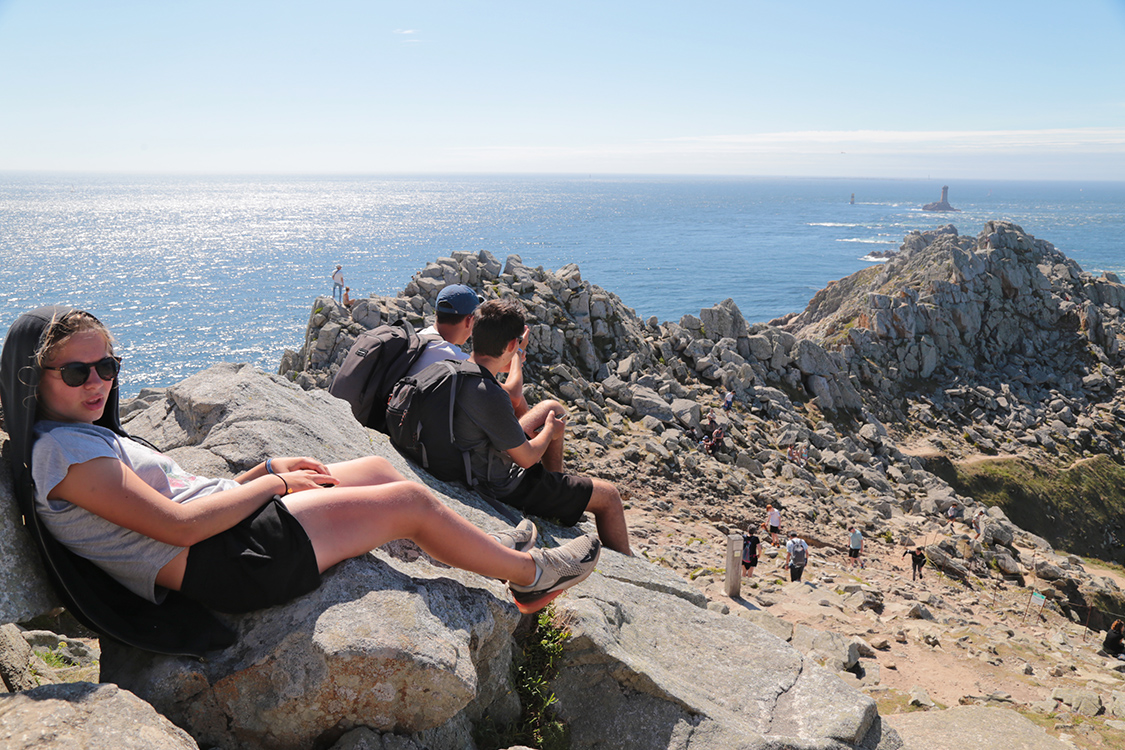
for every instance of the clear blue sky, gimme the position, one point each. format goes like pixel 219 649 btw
pixel 1031 89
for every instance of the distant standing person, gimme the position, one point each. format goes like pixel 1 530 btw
pixel 796 556
pixel 728 401
pixel 773 521
pixel 917 560
pixel 338 283
pixel 750 546
pixel 855 546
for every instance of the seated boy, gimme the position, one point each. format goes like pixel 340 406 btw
pixel 520 460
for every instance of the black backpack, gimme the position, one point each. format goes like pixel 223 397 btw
pixel 378 359
pixel 420 419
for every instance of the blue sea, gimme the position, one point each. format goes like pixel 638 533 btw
pixel 189 271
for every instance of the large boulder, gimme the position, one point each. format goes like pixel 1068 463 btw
pixel 680 676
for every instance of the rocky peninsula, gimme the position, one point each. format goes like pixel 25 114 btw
pixel 899 393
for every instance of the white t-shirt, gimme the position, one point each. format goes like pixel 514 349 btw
pixel 437 350
pixel 130 557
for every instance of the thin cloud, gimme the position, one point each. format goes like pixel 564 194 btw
pixel 885 141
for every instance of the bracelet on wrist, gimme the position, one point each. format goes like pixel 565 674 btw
pixel 269 466
pixel 287 490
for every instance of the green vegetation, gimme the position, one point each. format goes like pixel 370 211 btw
pixel 52 659
pixel 536 665
pixel 1079 509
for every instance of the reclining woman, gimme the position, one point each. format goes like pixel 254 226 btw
pixel 234 545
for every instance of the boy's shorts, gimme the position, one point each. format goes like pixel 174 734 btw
pixel 264 560
pixel 853 552
pixel 551 494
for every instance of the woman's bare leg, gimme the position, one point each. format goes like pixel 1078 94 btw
pixel 345 522
pixel 365 471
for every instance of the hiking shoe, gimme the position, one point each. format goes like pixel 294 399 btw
pixel 521 538
pixel 559 569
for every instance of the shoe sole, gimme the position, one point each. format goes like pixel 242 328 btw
pixel 529 602
pixel 534 605
pixel 532 601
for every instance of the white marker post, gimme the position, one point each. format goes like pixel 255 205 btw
pixel 734 565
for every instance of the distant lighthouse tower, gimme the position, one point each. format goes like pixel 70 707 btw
pixel 943 204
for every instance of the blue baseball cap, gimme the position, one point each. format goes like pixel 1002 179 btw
pixel 458 299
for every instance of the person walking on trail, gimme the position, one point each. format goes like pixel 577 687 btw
pixel 773 522
pixel 917 560
pixel 796 556
pixel 750 546
pixel 338 283
pixel 855 547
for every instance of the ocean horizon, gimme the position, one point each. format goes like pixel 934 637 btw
pixel 188 271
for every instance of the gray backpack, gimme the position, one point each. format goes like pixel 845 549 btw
pixel 378 359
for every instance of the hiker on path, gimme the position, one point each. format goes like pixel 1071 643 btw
pixel 855 547
pixel 796 556
pixel 773 523
pixel 917 560
pixel 751 544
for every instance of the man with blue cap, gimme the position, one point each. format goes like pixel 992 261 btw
pixel 455 306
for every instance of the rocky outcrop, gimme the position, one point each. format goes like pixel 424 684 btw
pixel 582 335
pixel 1002 333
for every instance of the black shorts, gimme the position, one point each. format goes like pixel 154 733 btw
pixel 264 560
pixel 775 529
pixel 552 494
pixel 853 552
pixel 751 563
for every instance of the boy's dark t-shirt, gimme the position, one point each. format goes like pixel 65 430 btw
pixel 485 425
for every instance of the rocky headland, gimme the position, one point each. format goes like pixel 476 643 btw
pixel 886 402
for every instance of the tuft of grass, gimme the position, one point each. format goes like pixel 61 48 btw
pixel 52 659
pixel 536 665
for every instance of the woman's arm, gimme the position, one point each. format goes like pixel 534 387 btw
pixel 107 487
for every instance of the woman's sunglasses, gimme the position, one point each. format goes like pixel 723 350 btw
pixel 75 374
